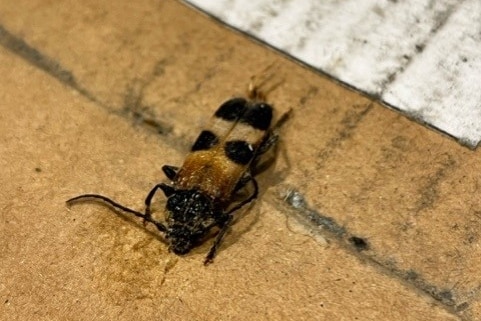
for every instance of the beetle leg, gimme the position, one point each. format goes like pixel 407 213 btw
pixel 170 171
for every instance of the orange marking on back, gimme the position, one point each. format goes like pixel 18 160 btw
pixel 211 172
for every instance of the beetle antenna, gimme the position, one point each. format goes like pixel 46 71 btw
pixel 105 200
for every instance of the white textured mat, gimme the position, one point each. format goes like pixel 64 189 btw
pixel 422 57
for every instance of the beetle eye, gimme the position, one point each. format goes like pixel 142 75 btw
pixel 174 202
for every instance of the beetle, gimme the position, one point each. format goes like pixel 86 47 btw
pixel 222 161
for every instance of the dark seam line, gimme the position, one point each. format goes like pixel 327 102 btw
pixel 19 47
pixel 296 201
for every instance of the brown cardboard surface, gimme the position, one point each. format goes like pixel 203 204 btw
pixel 97 97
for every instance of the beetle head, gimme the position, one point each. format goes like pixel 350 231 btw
pixel 190 215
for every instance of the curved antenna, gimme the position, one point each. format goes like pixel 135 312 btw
pixel 161 227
